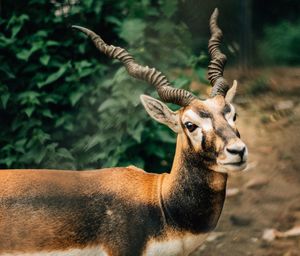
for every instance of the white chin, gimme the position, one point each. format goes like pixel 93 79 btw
pixel 228 168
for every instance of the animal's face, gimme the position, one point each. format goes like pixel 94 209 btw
pixel 208 129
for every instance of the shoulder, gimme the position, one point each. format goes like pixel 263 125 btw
pixel 134 168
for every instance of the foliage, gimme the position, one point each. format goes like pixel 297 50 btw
pixel 199 65
pixel 64 105
pixel 281 44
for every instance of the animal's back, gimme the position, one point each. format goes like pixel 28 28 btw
pixel 77 212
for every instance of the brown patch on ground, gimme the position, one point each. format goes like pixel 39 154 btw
pixel 269 193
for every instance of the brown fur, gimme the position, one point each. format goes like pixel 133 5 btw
pixel 29 227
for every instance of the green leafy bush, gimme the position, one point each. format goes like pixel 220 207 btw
pixel 65 105
pixel 281 44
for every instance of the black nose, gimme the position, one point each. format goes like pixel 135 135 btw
pixel 236 151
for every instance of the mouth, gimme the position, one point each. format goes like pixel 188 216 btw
pixel 236 163
pixel 230 167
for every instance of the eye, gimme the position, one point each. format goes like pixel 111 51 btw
pixel 190 126
pixel 235 116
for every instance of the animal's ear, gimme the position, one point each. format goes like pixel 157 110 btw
pixel 161 113
pixel 231 92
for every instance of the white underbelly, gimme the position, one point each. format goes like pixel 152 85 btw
pixel 71 252
pixel 174 246
pixel 181 245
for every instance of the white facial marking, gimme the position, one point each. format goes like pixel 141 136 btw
pixel 207 124
pixel 230 115
pixel 97 251
pixel 211 104
pixel 183 245
pixel 204 123
pixel 196 136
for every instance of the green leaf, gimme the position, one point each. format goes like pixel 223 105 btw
pixel 137 132
pixel 54 76
pixel 61 120
pixel 169 7
pixel 41 136
pixel 52 43
pixel 4 99
pixel 20 145
pixel 93 141
pixel 64 153
pixel 16 23
pixel 8 161
pixel 181 82
pixel 132 30
pixel 88 3
pixel 15 30
pixel 40 155
pixel 98 7
pixel 29 97
pixel 47 113
pixel 6 69
pixel 45 59
pixel 6 42
pixel 113 20
pixel 51 98
pixel 75 97
pixel 86 72
pixel 109 103
pixel 26 53
pixel 7 147
pixel 82 64
pixel 201 73
pixel 165 136
pixel 29 111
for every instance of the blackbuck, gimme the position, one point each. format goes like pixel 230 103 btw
pixel 126 211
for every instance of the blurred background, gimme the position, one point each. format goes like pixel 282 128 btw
pixel 64 105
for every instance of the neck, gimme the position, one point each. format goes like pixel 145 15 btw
pixel 192 194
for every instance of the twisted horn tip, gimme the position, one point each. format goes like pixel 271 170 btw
pixel 82 29
pixel 215 13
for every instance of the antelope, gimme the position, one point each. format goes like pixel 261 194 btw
pixel 125 210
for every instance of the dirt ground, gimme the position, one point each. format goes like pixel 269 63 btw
pixel 267 195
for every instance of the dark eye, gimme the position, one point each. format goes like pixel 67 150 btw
pixel 190 126
pixel 234 118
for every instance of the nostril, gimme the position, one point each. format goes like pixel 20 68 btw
pixel 242 152
pixel 233 151
pixel 239 152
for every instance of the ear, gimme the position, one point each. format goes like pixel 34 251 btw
pixel 231 92
pixel 160 112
